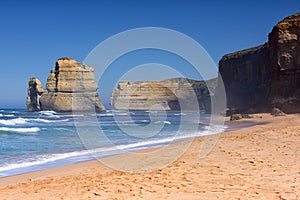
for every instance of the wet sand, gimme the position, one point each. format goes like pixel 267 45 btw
pixel 257 162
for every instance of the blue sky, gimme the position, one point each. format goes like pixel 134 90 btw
pixel 35 33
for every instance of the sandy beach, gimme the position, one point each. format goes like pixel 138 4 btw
pixel 257 162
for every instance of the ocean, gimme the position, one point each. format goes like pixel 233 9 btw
pixel 31 141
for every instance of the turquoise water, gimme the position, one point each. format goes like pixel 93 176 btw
pixel 31 141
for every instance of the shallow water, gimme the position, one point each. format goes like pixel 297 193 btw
pixel 40 140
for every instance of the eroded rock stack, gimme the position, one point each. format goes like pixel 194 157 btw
pixel 71 87
pixel 267 76
pixel 170 95
pixel 35 91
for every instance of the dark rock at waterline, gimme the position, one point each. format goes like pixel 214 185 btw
pixel 277 112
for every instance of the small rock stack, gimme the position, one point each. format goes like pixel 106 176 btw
pixel 35 91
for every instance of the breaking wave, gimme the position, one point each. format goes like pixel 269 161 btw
pixel 21 130
pixel 13 122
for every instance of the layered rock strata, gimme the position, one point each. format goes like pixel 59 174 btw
pixel 267 76
pixel 71 88
pixel 170 95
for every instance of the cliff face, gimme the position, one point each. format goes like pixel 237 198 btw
pixel 285 57
pixel 71 87
pixel 171 94
pixel 247 78
pixel 266 76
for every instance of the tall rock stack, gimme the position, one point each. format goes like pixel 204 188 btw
pixel 267 76
pixel 71 87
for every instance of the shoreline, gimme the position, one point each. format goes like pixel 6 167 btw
pixel 57 155
pixel 237 125
pixel 242 169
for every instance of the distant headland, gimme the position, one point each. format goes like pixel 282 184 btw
pixel 177 94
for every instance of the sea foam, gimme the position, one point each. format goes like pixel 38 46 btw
pixel 162 122
pixel 50 113
pixel 13 122
pixel 23 121
pixel 21 130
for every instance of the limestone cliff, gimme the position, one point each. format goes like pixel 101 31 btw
pixel 284 42
pixel 170 94
pixel 247 78
pixel 71 87
pixel 266 76
pixel 35 91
